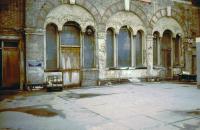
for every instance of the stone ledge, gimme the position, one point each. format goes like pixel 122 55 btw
pixel 110 81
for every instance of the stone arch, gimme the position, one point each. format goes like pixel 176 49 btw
pixel 162 13
pixel 156 33
pixel 48 6
pixel 119 6
pixel 171 25
pixel 91 8
pixel 119 19
pixel 44 10
pixel 59 16
pixel 51 23
pixel 112 28
pixel 90 27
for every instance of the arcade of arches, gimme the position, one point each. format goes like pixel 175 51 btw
pixel 87 51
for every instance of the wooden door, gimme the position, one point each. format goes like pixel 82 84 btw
pixel 70 64
pixel 194 64
pixel 11 72
pixel 167 62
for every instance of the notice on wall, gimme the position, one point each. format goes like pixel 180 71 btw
pixel 146 0
pixel 34 64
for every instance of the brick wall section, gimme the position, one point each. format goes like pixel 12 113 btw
pixel 12 15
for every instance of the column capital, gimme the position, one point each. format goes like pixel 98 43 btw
pixel 149 37
pixel 72 1
pixel 101 35
pixel 36 31
pixel 127 5
pixel 198 39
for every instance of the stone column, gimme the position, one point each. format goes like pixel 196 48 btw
pixel 133 50
pixel 158 51
pixel 149 55
pixel 101 39
pixel 198 61
pixel 35 49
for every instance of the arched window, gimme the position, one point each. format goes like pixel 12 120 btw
pixel 166 52
pixel 124 47
pixel 110 48
pixel 70 34
pixel 51 47
pixel 139 49
pixel 166 49
pixel 70 46
pixel 70 53
pixel 177 50
pixel 89 48
pixel 155 48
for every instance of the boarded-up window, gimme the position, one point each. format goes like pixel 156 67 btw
pixel 177 50
pixel 166 48
pixel 70 35
pixel 89 48
pixel 124 48
pixel 51 47
pixel 139 49
pixel 70 53
pixel 110 48
pixel 155 48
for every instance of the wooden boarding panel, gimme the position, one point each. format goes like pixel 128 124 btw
pixel 70 59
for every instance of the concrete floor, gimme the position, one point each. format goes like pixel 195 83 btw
pixel 142 106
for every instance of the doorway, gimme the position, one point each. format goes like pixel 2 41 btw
pixel 9 65
pixel 167 62
pixel 166 53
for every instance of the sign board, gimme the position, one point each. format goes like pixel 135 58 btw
pixel 34 63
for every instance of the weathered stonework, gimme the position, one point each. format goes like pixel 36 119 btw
pixel 59 17
pixel 120 19
pixel 148 17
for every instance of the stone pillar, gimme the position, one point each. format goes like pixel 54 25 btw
pixel 149 55
pixel 198 61
pixel 115 49
pixel 101 39
pixel 35 55
pixel 133 52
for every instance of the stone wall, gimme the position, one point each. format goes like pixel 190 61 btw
pixel 34 56
pixel 101 14
pixel 12 16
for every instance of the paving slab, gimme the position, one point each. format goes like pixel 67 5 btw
pixel 144 106
pixel 191 124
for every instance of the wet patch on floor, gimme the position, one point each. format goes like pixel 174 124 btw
pixel 41 111
pixel 195 112
pixel 83 95
pixel 18 95
pixel 9 129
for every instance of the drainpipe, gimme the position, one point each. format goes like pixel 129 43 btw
pixel 198 61
pixel 199 20
pixel 24 45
